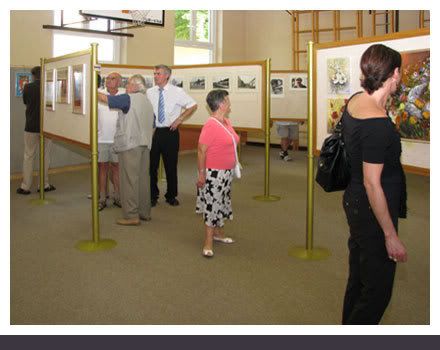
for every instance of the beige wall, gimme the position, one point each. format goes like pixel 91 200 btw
pixel 152 44
pixel 233 36
pixel 268 34
pixel 29 41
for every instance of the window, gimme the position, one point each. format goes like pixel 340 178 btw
pixel 195 37
pixel 65 42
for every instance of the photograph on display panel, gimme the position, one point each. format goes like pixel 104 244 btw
pixel 410 107
pixel 102 83
pixel 197 83
pixel 78 89
pixel 277 87
pixel 246 83
pixel 62 86
pixel 149 81
pixel 298 82
pixel 177 81
pixel 338 75
pixel 219 82
pixel 49 90
pixel 124 81
pixel 21 79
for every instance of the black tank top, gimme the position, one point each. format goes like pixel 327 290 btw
pixel 372 140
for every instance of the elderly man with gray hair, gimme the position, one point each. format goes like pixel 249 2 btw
pixel 134 130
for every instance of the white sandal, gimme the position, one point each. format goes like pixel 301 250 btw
pixel 227 240
pixel 207 253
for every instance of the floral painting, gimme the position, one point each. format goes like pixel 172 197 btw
pixel 338 75
pixel 410 106
pixel 335 108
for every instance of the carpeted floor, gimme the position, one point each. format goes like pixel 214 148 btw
pixel 156 274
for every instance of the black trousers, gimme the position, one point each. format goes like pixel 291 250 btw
pixel 166 143
pixel 371 272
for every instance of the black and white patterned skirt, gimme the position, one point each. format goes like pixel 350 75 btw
pixel 214 199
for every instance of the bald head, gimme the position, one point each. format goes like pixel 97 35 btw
pixel 112 82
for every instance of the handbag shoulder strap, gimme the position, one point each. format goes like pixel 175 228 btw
pixel 233 138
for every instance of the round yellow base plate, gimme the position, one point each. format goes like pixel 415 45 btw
pixel 38 201
pixel 91 246
pixel 309 254
pixel 269 198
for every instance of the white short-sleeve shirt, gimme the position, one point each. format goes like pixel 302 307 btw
pixel 107 121
pixel 175 99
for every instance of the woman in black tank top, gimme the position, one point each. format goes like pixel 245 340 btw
pixel 376 194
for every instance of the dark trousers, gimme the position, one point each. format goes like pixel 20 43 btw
pixel 371 272
pixel 165 143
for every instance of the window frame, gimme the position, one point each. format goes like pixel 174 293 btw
pixel 86 25
pixel 210 45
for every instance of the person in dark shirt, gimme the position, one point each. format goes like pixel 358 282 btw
pixel 31 98
pixel 376 195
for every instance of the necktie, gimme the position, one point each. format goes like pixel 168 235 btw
pixel 161 107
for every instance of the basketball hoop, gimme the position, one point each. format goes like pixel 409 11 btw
pixel 139 17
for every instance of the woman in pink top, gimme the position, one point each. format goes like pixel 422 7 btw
pixel 216 161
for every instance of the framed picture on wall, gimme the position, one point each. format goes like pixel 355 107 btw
pixel 79 89
pixel 197 84
pixel 221 82
pixel 246 83
pixel 49 91
pixel 62 85
pixel 21 79
pixel 277 87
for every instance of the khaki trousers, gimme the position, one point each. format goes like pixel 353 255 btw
pixel 31 146
pixel 134 177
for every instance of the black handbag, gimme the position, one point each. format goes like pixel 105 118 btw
pixel 333 164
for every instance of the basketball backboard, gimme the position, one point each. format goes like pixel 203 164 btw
pixel 140 17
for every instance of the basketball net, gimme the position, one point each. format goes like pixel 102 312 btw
pixel 139 17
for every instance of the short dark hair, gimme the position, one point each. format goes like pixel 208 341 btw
pixel 215 98
pixel 36 72
pixel 378 63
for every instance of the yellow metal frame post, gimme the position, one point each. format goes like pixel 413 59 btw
pixel 310 253
pixel 41 200
pixel 267 197
pixel 96 243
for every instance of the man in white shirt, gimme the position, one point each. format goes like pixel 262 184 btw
pixel 171 106
pixel 108 164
